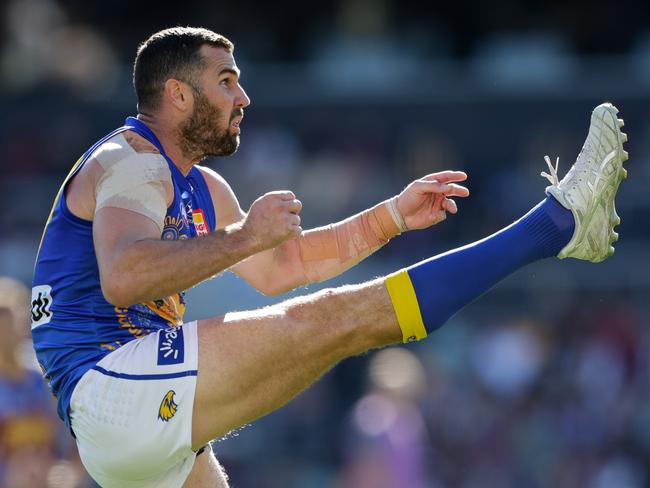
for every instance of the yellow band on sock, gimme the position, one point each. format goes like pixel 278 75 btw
pixel 406 306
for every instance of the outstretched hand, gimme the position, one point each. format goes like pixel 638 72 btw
pixel 426 201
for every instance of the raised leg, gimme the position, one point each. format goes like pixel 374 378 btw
pixel 251 363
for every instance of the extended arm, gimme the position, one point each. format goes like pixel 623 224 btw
pixel 321 253
pixel 325 252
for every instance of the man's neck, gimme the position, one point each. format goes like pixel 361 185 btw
pixel 168 137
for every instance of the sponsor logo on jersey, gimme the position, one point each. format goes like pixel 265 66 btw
pixel 41 303
pixel 171 346
pixel 168 407
pixel 198 217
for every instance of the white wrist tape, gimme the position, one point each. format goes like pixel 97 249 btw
pixel 396 214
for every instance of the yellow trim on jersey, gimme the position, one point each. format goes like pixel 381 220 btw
pixel 406 306
pixel 56 199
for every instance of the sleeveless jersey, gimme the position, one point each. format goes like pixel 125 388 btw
pixel 73 326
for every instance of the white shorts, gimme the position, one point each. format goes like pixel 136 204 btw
pixel 132 413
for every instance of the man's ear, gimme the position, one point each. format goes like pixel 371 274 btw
pixel 179 94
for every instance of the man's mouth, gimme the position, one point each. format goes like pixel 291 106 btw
pixel 235 123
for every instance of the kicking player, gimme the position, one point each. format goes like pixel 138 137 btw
pixel 137 221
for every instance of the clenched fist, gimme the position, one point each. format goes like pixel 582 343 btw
pixel 273 218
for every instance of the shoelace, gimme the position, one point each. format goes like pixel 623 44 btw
pixel 553 176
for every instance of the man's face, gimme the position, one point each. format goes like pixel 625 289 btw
pixel 212 129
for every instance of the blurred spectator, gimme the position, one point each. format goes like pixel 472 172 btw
pixel 387 445
pixel 44 45
pixel 35 450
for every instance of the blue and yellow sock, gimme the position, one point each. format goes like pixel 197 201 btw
pixel 426 294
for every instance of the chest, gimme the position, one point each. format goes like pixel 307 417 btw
pixel 190 213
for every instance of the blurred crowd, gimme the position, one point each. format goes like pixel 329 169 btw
pixel 542 383
pixel 35 450
pixel 483 403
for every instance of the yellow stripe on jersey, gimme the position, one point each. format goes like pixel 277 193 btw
pixel 56 199
pixel 406 306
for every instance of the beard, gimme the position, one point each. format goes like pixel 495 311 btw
pixel 200 135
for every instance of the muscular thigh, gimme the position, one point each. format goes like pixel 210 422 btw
pixel 251 363
pixel 207 472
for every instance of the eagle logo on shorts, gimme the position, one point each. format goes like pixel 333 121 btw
pixel 168 407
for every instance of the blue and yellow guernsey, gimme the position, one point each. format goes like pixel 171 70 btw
pixel 73 326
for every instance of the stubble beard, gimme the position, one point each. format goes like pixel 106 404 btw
pixel 200 135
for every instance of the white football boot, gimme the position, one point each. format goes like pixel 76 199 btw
pixel 589 188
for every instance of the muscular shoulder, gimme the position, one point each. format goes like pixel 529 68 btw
pixel 225 202
pixel 127 145
pixel 138 143
pixel 216 182
pixel 125 152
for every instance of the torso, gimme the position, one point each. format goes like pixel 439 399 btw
pixel 73 326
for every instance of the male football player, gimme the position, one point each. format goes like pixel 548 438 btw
pixel 138 220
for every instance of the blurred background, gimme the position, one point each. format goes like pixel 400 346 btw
pixel 544 382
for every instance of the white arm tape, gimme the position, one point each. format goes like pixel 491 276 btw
pixel 135 183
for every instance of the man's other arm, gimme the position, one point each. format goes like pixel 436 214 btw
pixel 322 253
